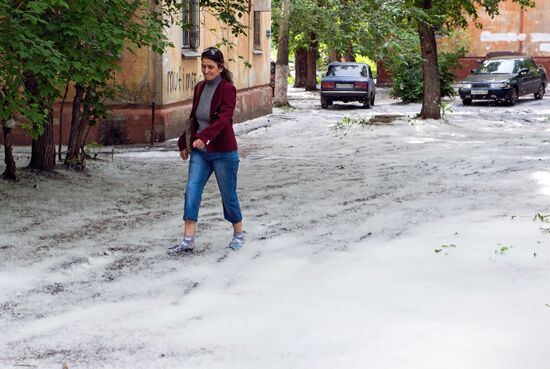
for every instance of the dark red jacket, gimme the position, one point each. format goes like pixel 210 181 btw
pixel 219 135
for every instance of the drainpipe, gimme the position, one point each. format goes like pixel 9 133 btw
pixel 521 27
pixel 155 67
pixel 152 122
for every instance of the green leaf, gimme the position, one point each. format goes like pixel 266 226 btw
pixel 502 250
pixel 541 217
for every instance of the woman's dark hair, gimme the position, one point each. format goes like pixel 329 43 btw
pixel 214 54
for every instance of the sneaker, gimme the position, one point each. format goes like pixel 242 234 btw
pixel 236 243
pixel 186 245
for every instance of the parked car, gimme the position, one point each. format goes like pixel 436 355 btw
pixel 504 79
pixel 345 81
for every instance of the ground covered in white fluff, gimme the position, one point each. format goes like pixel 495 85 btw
pixel 395 243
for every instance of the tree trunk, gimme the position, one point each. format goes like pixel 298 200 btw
pixel 301 67
pixel 43 148
pixel 312 53
pixel 73 148
pixel 334 56
pixel 61 108
pixel 431 98
pixel 349 55
pixel 10 172
pixel 81 136
pixel 281 72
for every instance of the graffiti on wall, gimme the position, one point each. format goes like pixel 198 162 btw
pixel 180 80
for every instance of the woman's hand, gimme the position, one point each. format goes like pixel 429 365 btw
pixel 198 144
pixel 184 154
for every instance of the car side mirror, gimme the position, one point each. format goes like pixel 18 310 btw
pixel 473 71
pixel 523 71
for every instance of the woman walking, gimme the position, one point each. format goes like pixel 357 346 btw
pixel 213 149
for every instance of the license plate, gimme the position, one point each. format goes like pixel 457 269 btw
pixel 344 85
pixel 480 92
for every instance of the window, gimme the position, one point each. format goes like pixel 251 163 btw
pixel 517 66
pixel 498 66
pixel 257 30
pixel 346 70
pixel 191 25
pixel 529 63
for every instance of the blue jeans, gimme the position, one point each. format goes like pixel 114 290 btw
pixel 225 166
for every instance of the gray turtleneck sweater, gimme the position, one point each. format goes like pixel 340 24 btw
pixel 202 114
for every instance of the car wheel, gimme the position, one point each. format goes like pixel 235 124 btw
pixel 324 102
pixel 540 93
pixel 366 102
pixel 372 100
pixel 513 97
pixel 467 101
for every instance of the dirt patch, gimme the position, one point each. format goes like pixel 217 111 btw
pixel 380 119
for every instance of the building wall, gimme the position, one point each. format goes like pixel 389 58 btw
pixel 137 78
pixel 526 31
pixel 537 27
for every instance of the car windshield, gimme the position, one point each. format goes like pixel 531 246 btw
pixel 498 67
pixel 354 70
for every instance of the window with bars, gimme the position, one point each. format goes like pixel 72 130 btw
pixel 257 30
pixel 191 25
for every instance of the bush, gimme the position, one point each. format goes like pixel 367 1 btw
pixel 405 65
pixel 406 73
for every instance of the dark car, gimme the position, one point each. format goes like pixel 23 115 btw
pixel 504 79
pixel 348 82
